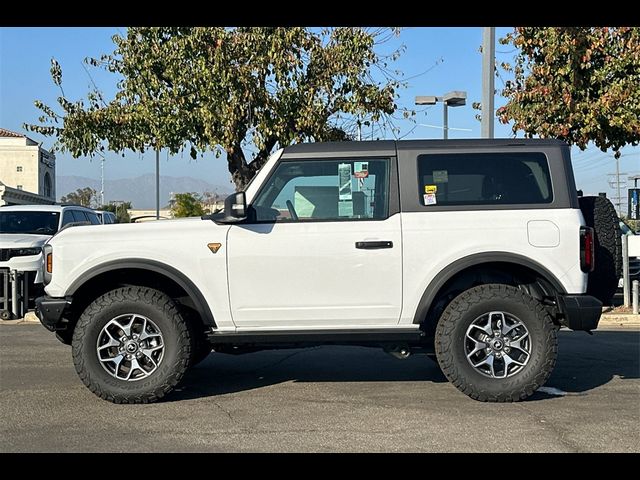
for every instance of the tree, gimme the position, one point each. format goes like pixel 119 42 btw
pixel 210 199
pixel 577 84
pixel 87 197
pixel 121 211
pixel 240 91
pixel 187 205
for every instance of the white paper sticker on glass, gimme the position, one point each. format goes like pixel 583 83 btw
pixel 345 209
pixel 344 179
pixel 361 169
pixel 429 198
pixel 440 176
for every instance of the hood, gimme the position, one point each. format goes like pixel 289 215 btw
pixel 22 240
pixel 152 231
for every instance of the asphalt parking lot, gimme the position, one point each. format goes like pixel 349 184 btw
pixel 322 400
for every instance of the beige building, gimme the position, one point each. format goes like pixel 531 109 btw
pixel 140 215
pixel 26 166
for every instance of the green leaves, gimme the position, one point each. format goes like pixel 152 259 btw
pixel 56 72
pixel 187 205
pixel 87 197
pixel 219 89
pixel 578 84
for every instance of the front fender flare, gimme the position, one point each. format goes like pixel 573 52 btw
pixel 199 302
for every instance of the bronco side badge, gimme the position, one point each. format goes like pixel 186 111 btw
pixel 214 247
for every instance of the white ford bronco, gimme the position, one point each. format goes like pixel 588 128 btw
pixel 473 252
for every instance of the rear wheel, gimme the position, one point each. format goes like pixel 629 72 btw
pixel 131 345
pixel 496 343
pixel 599 213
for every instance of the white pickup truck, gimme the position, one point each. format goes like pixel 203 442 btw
pixel 474 252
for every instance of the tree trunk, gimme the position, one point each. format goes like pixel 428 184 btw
pixel 238 167
pixel 242 172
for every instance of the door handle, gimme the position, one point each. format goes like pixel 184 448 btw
pixel 374 245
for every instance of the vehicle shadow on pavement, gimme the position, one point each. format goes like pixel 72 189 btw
pixel 584 363
pixel 222 373
pixel 587 362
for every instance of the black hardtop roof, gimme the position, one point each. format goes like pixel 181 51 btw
pixel 388 147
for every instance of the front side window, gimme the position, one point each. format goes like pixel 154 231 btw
pixel 67 217
pixel 317 190
pixel 484 179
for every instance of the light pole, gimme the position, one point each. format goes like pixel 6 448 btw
pixel 452 99
pixel 157 184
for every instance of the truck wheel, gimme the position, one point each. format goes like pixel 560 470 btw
pixel 599 213
pixel 495 343
pixel 131 345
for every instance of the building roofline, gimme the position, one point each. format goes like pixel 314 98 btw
pixel 5 133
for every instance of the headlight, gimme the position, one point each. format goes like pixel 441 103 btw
pixel 47 269
pixel 23 252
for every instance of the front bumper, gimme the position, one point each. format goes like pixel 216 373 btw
pixel 51 311
pixel 581 312
pixel 27 263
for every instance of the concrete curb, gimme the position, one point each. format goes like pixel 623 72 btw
pixel 29 319
pixel 621 319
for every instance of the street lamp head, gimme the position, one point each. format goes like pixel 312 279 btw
pixel 426 100
pixel 456 98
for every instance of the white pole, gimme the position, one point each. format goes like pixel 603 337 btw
pixel 157 184
pixel 102 182
pixel 488 80
pixel 625 270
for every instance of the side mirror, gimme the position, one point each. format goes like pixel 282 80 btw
pixel 235 209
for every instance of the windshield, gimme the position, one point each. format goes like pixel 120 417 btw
pixel 37 223
pixel 276 155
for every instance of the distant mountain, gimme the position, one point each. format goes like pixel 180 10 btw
pixel 140 191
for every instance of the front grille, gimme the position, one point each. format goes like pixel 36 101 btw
pixel 7 254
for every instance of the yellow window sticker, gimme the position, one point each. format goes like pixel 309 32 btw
pixel 431 189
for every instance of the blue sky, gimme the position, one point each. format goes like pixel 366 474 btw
pixel 451 54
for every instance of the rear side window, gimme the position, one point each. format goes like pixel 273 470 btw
pixel 79 216
pixel 93 218
pixel 484 179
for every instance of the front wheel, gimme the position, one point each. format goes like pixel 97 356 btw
pixel 131 345
pixel 496 343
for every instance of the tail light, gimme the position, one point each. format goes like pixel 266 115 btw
pixel 587 249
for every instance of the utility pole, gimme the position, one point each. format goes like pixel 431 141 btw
pixel 488 80
pixel 157 184
pixel 445 120
pixel 618 185
pixel 102 181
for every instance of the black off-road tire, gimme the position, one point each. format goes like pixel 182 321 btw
pixel 450 343
pixel 599 213
pixel 154 305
